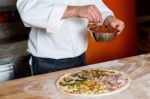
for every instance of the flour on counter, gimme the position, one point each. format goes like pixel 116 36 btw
pixel 45 88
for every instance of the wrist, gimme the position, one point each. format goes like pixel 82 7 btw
pixel 109 19
pixel 70 12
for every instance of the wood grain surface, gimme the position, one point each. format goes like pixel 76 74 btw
pixel 43 86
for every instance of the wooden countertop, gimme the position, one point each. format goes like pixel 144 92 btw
pixel 43 86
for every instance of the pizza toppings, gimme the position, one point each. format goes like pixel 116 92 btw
pixel 103 29
pixel 89 82
pixel 68 79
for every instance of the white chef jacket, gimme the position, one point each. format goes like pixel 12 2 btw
pixel 54 37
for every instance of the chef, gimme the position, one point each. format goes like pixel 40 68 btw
pixel 58 37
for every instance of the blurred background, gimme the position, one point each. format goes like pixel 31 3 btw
pixel 134 40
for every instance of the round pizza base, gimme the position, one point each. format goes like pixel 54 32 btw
pixel 96 95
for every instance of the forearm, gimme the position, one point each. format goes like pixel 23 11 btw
pixel 70 12
pixel 89 12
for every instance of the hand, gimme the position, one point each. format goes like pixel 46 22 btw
pixel 90 12
pixel 114 22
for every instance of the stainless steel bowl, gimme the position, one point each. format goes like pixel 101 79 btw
pixel 103 37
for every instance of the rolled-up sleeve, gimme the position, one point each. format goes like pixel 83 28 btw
pixel 104 10
pixel 41 14
pixel 55 19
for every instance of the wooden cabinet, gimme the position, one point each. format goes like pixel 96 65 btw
pixel 143 24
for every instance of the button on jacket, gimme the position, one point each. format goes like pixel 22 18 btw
pixel 54 37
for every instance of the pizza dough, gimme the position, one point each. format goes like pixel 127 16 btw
pixel 93 82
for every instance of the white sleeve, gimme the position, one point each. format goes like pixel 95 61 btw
pixel 40 14
pixel 104 9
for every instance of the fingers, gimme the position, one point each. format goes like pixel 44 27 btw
pixel 95 14
pixel 90 12
pixel 117 24
pixel 120 27
pixel 91 19
pixel 94 17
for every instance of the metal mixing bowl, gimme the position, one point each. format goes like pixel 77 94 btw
pixel 103 37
